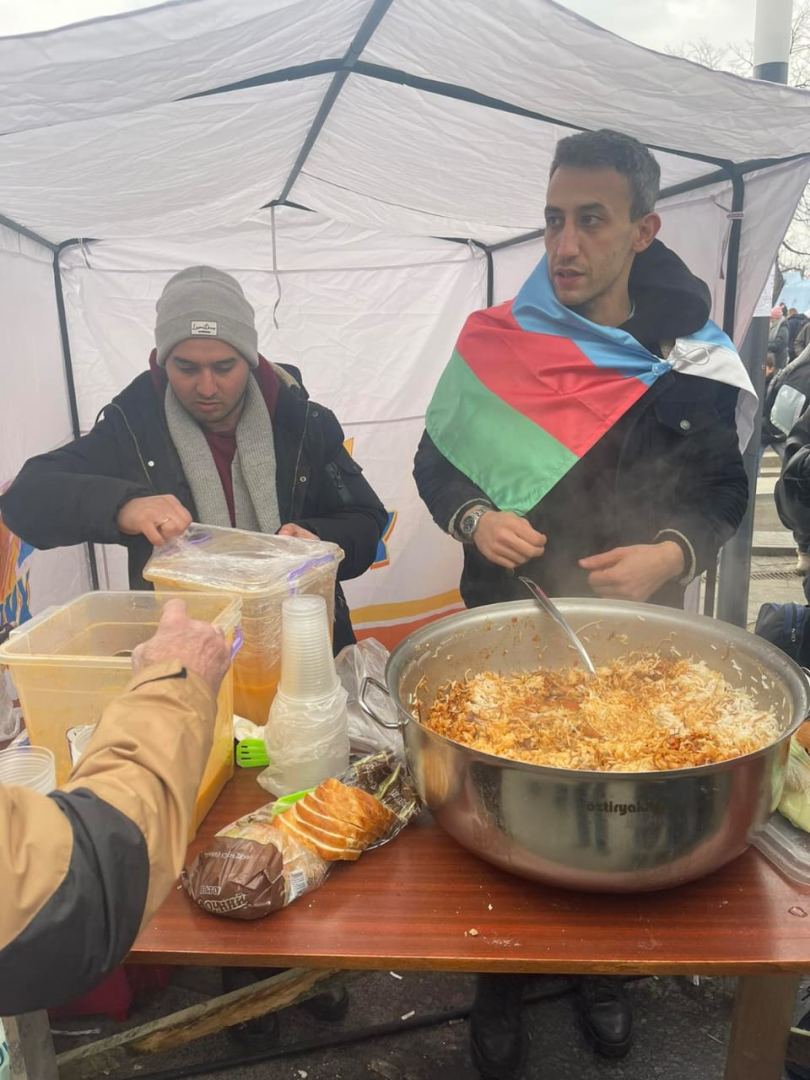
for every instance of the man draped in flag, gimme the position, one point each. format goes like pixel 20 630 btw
pixel 588 432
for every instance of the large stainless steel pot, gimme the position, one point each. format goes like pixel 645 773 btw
pixel 613 832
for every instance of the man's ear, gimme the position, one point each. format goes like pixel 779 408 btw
pixel 646 230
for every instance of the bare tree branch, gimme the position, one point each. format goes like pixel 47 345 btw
pixel 737 57
pixel 793 250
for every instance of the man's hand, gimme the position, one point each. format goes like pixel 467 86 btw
pixel 507 540
pixel 198 646
pixel 295 530
pixel 157 517
pixel 634 573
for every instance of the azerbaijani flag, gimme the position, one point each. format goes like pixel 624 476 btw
pixel 530 388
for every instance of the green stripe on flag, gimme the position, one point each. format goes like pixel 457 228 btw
pixel 508 456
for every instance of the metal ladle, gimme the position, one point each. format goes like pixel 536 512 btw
pixel 552 610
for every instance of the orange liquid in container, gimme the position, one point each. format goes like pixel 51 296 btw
pixel 261 571
pixel 70 663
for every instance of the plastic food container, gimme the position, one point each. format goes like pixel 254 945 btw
pixel 71 661
pixel 262 571
pixel 787 847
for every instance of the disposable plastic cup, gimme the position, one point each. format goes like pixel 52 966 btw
pixel 78 740
pixel 28 766
pixel 307 665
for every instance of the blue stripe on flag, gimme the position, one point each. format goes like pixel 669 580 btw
pixel 537 309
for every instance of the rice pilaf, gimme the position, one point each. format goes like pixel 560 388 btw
pixel 643 713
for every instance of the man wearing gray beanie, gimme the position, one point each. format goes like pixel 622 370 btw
pixel 212 432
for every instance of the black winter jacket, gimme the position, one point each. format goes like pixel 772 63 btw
pixel 671 462
pixel 73 495
pixel 796 376
pixel 792 493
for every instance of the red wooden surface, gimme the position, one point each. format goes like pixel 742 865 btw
pixel 412 904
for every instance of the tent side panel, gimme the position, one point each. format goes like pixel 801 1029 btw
pixel 34 415
pixel 370 337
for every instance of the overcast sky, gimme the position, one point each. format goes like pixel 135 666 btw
pixel 663 24
pixel 658 24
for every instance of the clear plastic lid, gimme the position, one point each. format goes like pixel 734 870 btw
pixel 787 847
pixel 242 562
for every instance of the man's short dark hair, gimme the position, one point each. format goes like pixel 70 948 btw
pixel 612 150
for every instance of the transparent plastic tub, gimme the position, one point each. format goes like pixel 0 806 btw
pixel 70 662
pixel 787 847
pixel 262 571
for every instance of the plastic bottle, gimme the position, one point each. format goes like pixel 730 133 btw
pixel 307 731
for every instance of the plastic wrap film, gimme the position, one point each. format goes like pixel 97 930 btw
pixel 795 802
pixel 262 571
pixel 306 741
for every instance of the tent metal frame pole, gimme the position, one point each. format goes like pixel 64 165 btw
pixel 56 250
pixel 369 24
pixel 29 234
pixel 734 576
pixel 69 377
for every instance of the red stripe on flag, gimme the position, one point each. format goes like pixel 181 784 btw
pixel 546 378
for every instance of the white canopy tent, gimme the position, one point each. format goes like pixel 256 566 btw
pixel 371 171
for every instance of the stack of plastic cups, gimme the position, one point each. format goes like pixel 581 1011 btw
pixel 307 733
pixel 307 665
pixel 28 766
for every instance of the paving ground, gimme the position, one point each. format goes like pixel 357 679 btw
pixel 681 1028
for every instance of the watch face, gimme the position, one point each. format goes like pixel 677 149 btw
pixel 468 524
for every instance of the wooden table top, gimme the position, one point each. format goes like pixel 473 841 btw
pixel 413 903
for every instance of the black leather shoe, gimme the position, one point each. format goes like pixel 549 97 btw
pixel 498 1041
pixel 330 1005
pixel 606 1015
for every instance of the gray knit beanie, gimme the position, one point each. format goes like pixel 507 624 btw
pixel 201 301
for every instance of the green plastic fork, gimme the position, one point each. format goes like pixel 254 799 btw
pixel 252 754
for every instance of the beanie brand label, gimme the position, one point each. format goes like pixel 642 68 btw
pixel 206 329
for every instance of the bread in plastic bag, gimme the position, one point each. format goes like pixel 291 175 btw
pixel 260 569
pixel 254 866
pixel 368 659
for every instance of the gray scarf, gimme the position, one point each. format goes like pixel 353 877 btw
pixel 253 469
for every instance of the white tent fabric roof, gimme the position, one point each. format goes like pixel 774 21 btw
pixel 162 135
pixel 100 138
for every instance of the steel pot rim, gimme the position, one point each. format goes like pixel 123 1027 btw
pixel 736 634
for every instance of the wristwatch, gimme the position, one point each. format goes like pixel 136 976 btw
pixel 469 522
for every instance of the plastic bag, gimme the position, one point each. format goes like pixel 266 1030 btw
pixel 306 741
pixel 10 712
pixel 262 571
pixel 5 1056
pixel 368 658
pixel 795 802
pixel 254 867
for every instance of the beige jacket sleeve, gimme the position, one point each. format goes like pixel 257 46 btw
pixel 84 868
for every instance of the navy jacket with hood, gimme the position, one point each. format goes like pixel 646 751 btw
pixel 671 462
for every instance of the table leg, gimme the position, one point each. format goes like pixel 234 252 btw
pixel 763 1011
pixel 31 1047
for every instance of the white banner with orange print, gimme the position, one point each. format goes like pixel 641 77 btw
pixel 15 577
pixel 415 576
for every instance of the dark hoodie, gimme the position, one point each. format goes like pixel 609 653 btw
pixel 671 462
